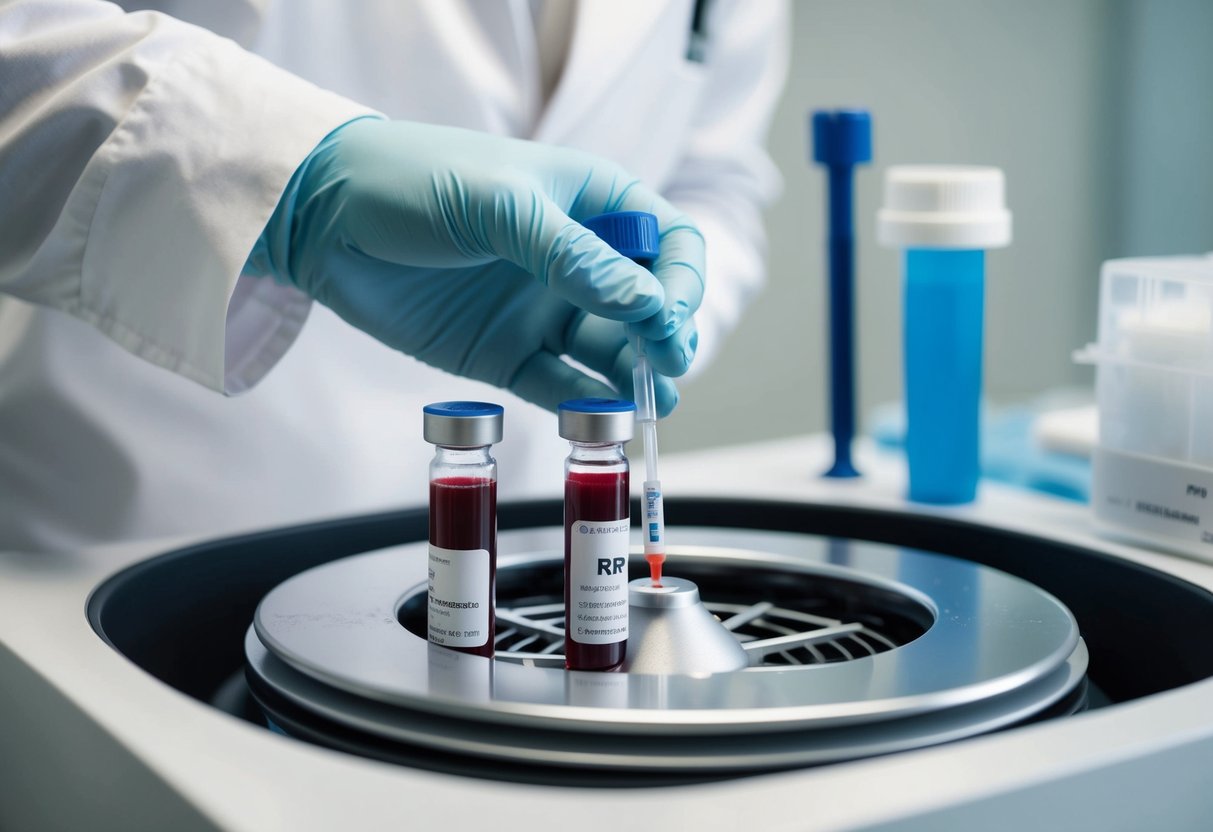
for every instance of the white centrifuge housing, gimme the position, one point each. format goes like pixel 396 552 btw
pixel 993 666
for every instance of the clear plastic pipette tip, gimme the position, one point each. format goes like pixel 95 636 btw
pixel 646 414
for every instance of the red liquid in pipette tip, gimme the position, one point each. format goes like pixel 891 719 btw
pixel 655 562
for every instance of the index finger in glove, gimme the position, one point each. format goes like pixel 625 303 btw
pixel 680 269
pixel 680 265
pixel 604 347
pixel 533 232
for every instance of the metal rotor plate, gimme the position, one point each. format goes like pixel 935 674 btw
pixel 992 634
pixel 656 752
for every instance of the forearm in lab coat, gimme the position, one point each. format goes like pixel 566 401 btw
pixel 140 158
pixel 726 177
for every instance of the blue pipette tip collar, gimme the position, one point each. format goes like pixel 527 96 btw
pixel 634 234
pixel 841 137
pixel 598 406
pixel 463 410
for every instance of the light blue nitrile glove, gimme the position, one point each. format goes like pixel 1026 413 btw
pixel 463 249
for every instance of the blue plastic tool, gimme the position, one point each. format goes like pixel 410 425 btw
pixel 841 140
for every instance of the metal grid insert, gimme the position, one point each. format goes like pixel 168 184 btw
pixel 773 635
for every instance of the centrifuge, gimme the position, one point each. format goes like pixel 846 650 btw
pixel 828 656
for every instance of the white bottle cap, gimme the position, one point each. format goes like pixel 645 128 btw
pixel 943 206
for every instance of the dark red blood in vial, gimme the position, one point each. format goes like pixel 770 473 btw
pixel 592 496
pixel 463 515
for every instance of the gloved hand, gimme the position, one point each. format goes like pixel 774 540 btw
pixel 462 249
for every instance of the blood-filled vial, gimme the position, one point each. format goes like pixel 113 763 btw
pixel 597 524
pixel 463 524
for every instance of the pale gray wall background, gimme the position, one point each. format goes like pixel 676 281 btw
pixel 1166 205
pixel 1099 111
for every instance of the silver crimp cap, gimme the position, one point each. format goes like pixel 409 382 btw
pixel 463 424
pixel 597 420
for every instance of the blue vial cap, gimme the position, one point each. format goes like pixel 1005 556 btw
pixel 841 137
pixel 631 233
pixel 598 406
pixel 463 410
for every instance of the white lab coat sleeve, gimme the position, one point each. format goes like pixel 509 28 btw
pixel 726 178
pixel 140 158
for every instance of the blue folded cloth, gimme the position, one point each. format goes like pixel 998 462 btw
pixel 1008 453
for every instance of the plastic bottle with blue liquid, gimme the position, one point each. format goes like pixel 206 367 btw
pixel 944 218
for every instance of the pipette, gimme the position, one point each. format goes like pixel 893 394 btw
pixel 634 234
pixel 646 414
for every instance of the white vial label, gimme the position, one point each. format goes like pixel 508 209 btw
pixel 598 581
pixel 654 519
pixel 458 597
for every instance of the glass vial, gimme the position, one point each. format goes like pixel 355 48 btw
pixel 597 524
pixel 463 524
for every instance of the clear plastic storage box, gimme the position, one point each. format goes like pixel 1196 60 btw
pixel 1152 471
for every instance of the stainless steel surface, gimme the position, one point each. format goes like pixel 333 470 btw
pixel 670 631
pixel 782 644
pixel 991 634
pixel 655 750
pixel 669 594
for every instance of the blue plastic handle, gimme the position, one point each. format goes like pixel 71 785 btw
pixel 842 139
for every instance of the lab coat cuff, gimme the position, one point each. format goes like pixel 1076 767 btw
pixel 263 320
pixel 183 188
